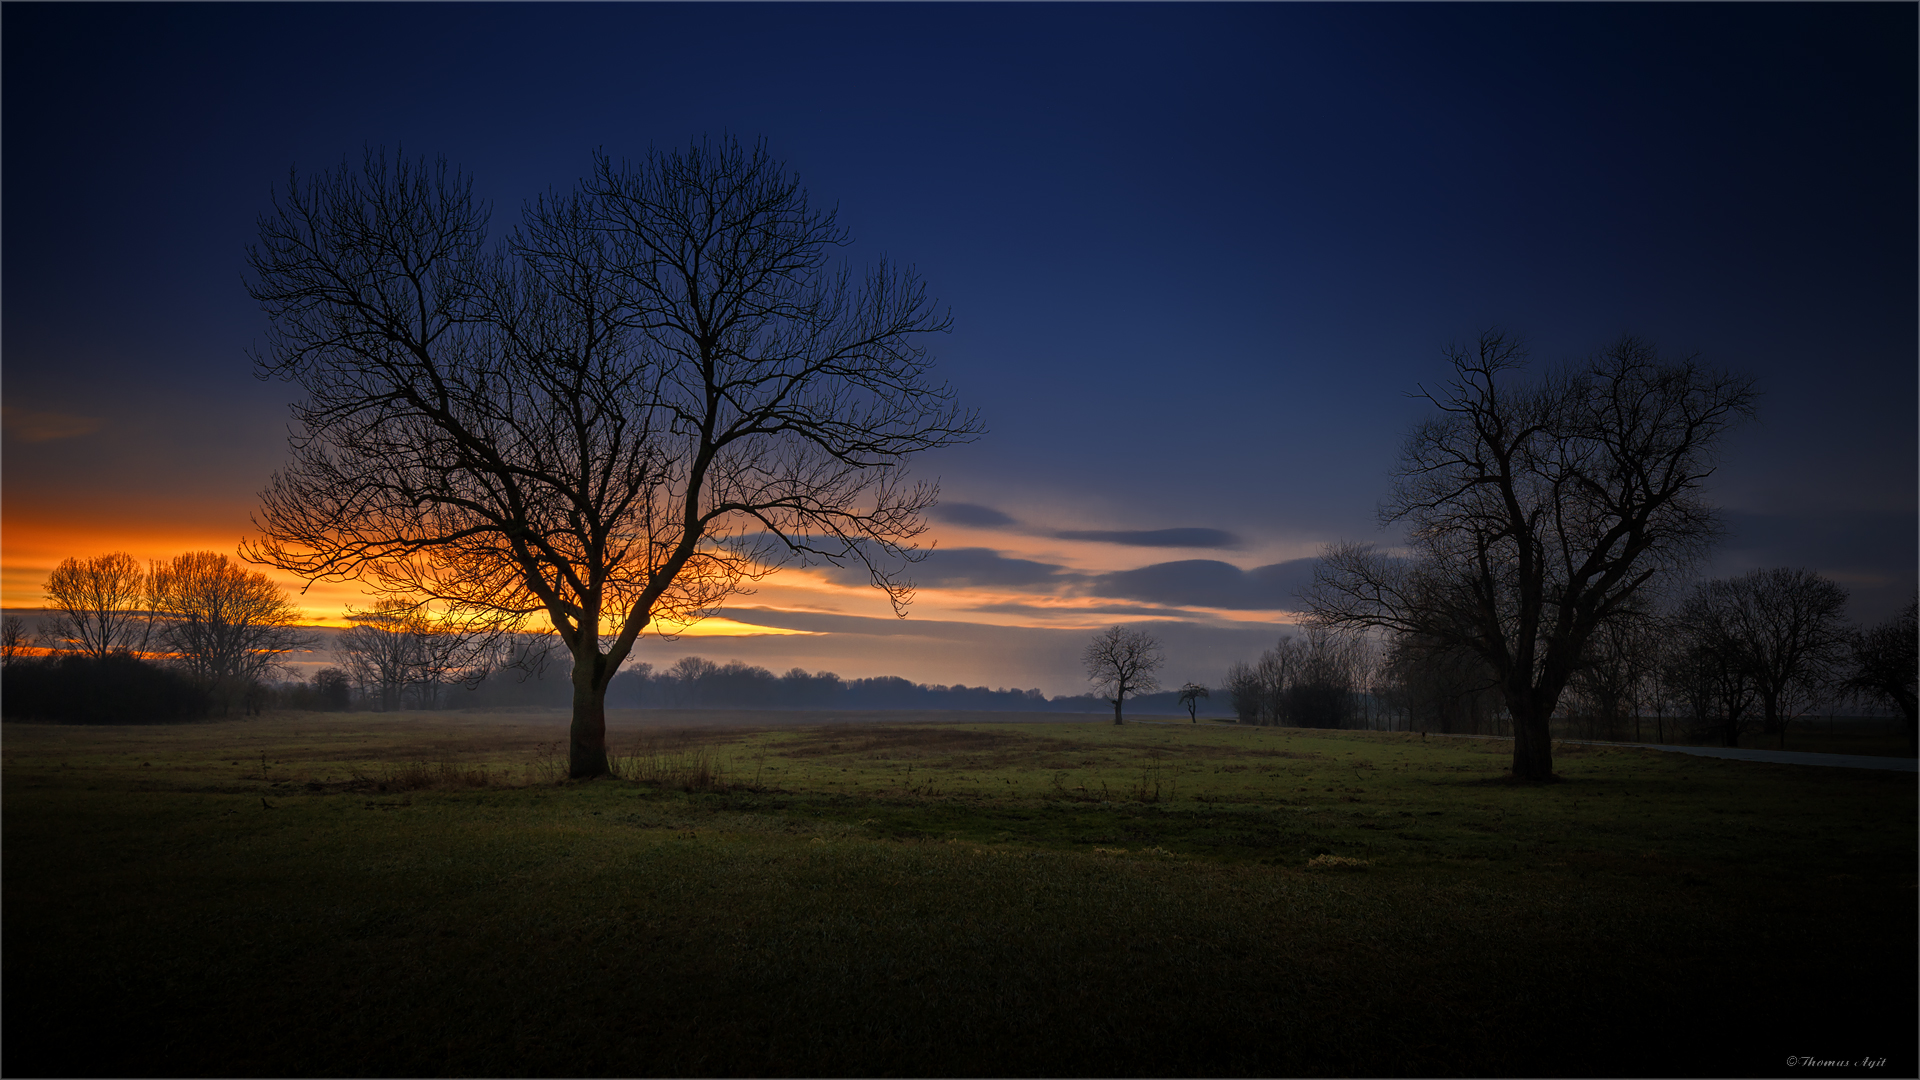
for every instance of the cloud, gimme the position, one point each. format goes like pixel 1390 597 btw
pixel 957 568
pixel 1041 611
pixel 1210 583
pixel 30 426
pixel 1162 538
pixel 969 514
pixel 962 567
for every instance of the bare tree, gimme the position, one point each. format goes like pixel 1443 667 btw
pixel 1538 512
pixel 1618 670
pixel 1243 686
pixel 100 604
pixel 401 649
pixel 1322 691
pixel 655 390
pixel 1441 686
pixel 15 638
pixel 378 651
pixel 1121 662
pixel 226 626
pixel 1886 665
pixel 1191 695
pixel 1787 626
pixel 1707 666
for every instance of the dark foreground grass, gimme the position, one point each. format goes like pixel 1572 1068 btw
pixel 414 896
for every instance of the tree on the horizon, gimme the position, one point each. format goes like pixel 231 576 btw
pixel 1120 663
pixel 655 389
pixel 1790 633
pixel 225 626
pixel 101 605
pixel 15 639
pixel 1190 696
pixel 1886 665
pixel 1538 512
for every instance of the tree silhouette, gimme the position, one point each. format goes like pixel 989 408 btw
pixel 1538 512
pixel 224 625
pixel 100 604
pixel 1121 662
pixel 654 390
pixel 1190 696
pixel 1886 665
pixel 1787 623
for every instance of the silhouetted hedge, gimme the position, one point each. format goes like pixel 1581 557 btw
pixel 83 690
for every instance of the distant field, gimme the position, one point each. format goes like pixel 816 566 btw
pixel 775 894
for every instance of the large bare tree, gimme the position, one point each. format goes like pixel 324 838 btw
pixel 225 625
pixel 100 604
pixel 654 390
pixel 1122 662
pixel 1537 511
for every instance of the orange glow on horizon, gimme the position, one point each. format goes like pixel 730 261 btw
pixel 37 538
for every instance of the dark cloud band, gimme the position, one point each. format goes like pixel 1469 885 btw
pixel 1161 538
pixel 1209 583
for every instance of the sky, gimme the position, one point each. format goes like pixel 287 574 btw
pixel 1199 258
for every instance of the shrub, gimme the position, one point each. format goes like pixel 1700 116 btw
pixel 115 689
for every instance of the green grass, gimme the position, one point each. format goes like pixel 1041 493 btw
pixel 415 895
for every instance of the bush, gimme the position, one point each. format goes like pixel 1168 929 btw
pixel 119 689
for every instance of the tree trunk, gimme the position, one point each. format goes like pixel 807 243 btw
pixel 1116 709
pixel 1770 712
pixel 1532 747
pixel 587 738
pixel 1532 712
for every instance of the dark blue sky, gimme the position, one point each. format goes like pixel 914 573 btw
pixel 1196 255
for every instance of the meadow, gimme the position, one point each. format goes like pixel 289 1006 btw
pixel 780 894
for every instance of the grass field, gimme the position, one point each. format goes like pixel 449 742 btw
pixel 419 895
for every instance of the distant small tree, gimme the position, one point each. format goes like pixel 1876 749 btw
pixel 1886 665
pixel 1121 662
pixel 1190 696
pixel 15 639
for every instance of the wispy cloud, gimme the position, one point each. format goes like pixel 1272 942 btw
pixel 1054 611
pixel 34 426
pixel 961 568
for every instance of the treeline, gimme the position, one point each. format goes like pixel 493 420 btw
pixel 172 640
pixel 694 682
pixel 1719 660
pixel 199 635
